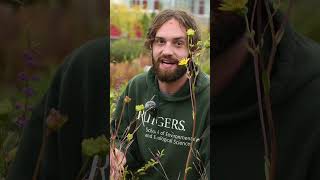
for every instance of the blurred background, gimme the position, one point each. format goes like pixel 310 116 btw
pixel 305 18
pixel 51 27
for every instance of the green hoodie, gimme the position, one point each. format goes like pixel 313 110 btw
pixel 295 92
pixel 170 129
pixel 79 91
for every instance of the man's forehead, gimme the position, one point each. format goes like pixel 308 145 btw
pixel 171 28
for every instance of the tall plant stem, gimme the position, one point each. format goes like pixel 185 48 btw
pixel 194 110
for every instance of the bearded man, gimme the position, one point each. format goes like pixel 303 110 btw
pixel 168 124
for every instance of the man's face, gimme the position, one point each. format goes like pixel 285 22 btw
pixel 169 46
pixel 227 29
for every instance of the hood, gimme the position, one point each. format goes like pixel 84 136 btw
pixel 202 83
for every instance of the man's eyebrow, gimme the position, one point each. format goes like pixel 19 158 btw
pixel 159 37
pixel 180 38
pixel 176 38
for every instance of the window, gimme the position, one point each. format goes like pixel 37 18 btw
pixel 135 2
pixel 156 5
pixel 145 4
pixel 201 7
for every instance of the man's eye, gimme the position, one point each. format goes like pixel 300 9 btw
pixel 179 43
pixel 160 41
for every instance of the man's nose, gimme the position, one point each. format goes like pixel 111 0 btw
pixel 167 49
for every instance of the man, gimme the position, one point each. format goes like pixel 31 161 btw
pixel 168 126
pixel 238 149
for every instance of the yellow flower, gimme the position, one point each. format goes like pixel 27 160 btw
pixel 129 136
pixel 183 61
pixel 139 107
pixel 190 32
pixel 237 6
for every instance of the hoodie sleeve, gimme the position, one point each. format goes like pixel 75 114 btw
pixel 313 171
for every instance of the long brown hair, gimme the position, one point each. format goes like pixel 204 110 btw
pixel 182 17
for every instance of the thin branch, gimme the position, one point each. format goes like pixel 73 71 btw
pixel 279 35
pixel 257 79
pixel 193 103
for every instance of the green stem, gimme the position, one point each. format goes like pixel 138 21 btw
pixel 193 103
pixel 83 168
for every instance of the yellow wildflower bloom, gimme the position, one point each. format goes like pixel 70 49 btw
pixel 183 61
pixel 129 136
pixel 191 32
pixel 139 107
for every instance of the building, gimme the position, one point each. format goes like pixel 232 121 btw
pixel 199 8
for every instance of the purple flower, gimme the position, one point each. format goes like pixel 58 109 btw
pixel 35 78
pixel 31 63
pixel 29 108
pixel 22 76
pixel 28 91
pixel 18 105
pixel 21 121
pixel 28 58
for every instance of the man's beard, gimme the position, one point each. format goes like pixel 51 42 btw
pixel 168 75
pixel 227 29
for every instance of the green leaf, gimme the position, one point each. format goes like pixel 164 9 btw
pixel 162 153
pixel 140 170
pixel 97 146
pixel 5 107
pixel 236 6
pixel 10 141
pixel 206 43
pixel 11 154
